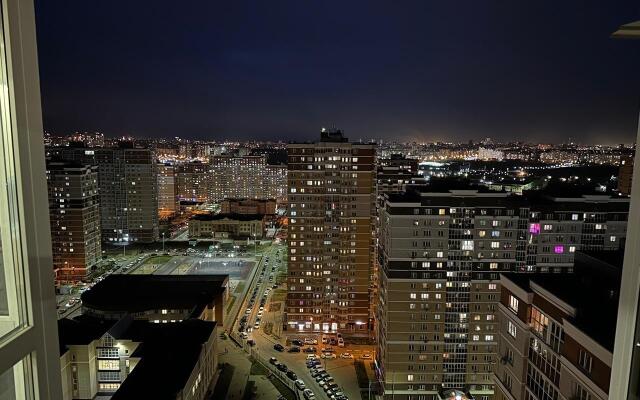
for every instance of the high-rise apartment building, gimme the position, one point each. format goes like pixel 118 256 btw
pixel 245 177
pixel 74 214
pixel 192 181
pixel 128 194
pixel 442 249
pixel 275 182
pixel 167 193
pixel 331 195
pixel 625 175
pixel 556 331
pixel 128 187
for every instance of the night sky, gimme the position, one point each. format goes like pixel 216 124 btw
pixel 406 70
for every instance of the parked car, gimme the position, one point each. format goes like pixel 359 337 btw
pixel 328 356
pixel 251 342
pixel 340 342
pixel 297 342
pixel 292 375
pixel 294 349
pixel 310 349
pixel 327 349
pixel 278 347
pixel 300 384
pixel 282 367
pixel 310 341
pixel 346 355
pixel 273 360
pixel 308 394
pixel 366 356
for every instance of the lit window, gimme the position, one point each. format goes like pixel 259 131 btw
pixel 492 286
pixel 513 303
pixel 534 229
pixel 511 328
pixel 612 238
pixel 482 233
pixel 440 254
pixel 572 249
pixel 558 249
pixel 495 245
pixel 410 377
pixel 467 245
pixel 574 217
pixel 412 296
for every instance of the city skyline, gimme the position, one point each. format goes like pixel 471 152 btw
pixel 380 71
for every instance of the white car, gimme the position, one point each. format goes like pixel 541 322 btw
pixel 366 356
pixel 257 325
pixel 328 356
pixel 312 357
pixel 310 341
pixel 308 394
pixel 346 355
pixel 340 342
pixel 300 384
pixel 244 335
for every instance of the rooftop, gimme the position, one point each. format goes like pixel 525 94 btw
pixel 170 364
pixel 232 216
pixel 136 293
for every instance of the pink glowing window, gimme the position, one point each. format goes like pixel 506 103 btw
pixel 534 229
pixel 558 249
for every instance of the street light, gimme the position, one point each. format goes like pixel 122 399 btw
pixel 162 242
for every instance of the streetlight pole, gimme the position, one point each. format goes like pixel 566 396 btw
pixel 162 242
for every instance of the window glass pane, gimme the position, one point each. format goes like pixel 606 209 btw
pixel 13 382
pixel 11 279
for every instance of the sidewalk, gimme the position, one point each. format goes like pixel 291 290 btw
pixel 242 368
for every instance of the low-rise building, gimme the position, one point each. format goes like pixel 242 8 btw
pixel 128 358
pixel 222 226
pixel 248 206
pixel 556 331
pixel 158 298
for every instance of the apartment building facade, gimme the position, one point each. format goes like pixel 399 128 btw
pixel 192 181
pixel 441 251
pixel 331 196
pixel 167 191
pixel 74 215
pixel 128 187
pixel 557 331
pixel 246 176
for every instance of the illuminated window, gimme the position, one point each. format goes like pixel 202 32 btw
pixel 513 303
pixel 511 328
